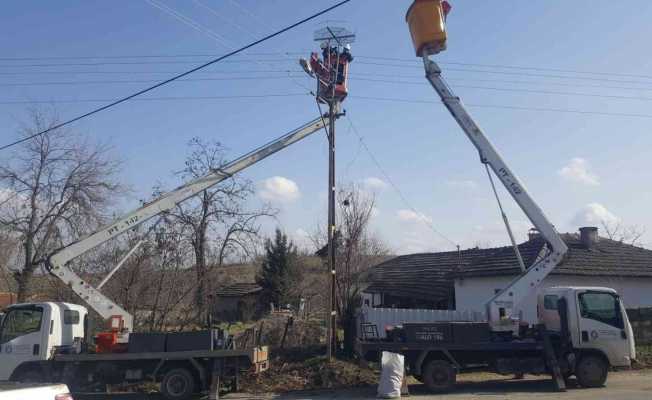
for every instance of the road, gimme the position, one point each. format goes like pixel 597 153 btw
pixel 620 386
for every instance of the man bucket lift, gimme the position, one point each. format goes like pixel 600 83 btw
pixel 331 71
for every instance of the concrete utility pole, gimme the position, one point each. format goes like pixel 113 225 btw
pixel 332 322
pixel 331 73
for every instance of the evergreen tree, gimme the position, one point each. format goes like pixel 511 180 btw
pixel 280 274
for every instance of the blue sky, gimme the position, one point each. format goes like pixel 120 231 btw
pixel 580 167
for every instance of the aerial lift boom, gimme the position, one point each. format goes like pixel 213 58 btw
pixel 427 22
pixel 122 320
pixel 501 306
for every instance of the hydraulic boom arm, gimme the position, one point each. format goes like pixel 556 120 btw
pixel 56 262
pixel 501 306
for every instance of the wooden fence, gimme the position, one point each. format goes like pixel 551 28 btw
pixel 641 319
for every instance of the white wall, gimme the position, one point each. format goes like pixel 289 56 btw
pixel 472 293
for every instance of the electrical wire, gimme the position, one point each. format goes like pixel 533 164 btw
pixel 212 55
pixel 166 98
pixel 176 77
pixel 356 77
pixel 398 191
pixel 247 32
pixel 372 98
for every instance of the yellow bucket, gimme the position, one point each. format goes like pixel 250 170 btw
pixel 426 21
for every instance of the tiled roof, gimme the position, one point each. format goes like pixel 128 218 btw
pixel 606 257
pixel 429 276
pixel 422 276
pixel 238 289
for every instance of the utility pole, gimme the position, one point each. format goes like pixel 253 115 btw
pixel 332 322
pixel 331 73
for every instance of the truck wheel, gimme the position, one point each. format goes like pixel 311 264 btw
pixel 591 371
pixel 439 376
pixel 178 384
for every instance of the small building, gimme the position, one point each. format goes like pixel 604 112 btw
pixel 7 299
pixel 417 280
pixel 237 302
pixel 591 261
pixel 465 280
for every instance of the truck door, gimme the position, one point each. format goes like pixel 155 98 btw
pixel 21 337
pixel 602 326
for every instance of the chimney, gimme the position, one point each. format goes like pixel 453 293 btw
pixel 589 236
pixel 532 234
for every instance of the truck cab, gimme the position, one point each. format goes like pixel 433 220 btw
pixel 33 331
pixel 596 321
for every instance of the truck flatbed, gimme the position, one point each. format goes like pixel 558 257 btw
pixel 401 347
pixel 254 354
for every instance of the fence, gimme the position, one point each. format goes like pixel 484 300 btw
pixel 641 319
pixel 382 317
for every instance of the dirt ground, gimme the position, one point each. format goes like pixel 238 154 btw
pixel 632 385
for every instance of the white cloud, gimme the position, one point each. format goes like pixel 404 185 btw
pixel 412 216
pixel 594 214
pixel 301 239
pixel 466 184
pixel 578 170
pixel 278 189
pixel 374 184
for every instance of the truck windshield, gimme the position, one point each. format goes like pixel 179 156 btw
pixel 603 307
pixel 21 321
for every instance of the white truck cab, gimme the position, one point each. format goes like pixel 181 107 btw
pixel 32 332
pixel 596 317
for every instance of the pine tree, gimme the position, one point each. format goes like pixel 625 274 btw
pixel 280 274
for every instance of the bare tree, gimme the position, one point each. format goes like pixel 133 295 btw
pixel 217 223
pixel 8 246
pixel 58 186
pixel 630 234
pixel 356 251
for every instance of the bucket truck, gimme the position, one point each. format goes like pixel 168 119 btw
pixel 582 331
pixel 44 341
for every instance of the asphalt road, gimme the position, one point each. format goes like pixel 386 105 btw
pixel 620 386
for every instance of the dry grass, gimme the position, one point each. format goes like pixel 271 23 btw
pixel 301 369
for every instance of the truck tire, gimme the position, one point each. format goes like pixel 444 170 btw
pixel 178 384
pixel 591 371
pixel 439 376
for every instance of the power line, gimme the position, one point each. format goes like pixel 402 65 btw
pixel 134 72
pixel 375 73
pixel 161 98
pixel 300 74
pixel 139 56
pixel 508 73
pixel 394 59
pixel 371 98
pixel 241 49
pixel 507 107
pixel 394 186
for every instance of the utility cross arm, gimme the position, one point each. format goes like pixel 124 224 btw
pixel 56 262
pixel 501 305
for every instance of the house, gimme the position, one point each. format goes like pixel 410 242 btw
pixel 7 299
pixel 591 261
pixel 465 280
pixel 237 302
pixel 417 280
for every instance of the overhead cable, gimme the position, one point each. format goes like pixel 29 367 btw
pixel 174 78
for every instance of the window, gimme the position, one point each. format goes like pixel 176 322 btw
pixel 21 321
pixel 70 317
pixel 603 307
pixel 550 301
